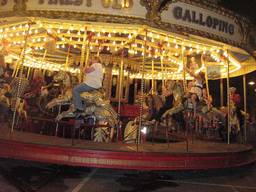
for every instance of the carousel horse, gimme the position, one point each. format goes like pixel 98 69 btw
pixel 59 88
pixel 10 98
pixel 151 105
pixel 175 117
pixel 96 105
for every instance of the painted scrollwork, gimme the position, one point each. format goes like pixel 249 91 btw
pixel 244 29
pixel 20 5
pixel 155 8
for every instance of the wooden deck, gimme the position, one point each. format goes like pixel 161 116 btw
pixel 149 156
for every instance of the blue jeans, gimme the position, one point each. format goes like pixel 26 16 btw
pixel 77 90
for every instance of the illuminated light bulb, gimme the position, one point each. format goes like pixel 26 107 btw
pixel 156 50
pixel 150 34
pixel 78 33
pixel 98 34
pixel 152 40
pixel 122 43
pixel 129 36
pixel 36 31
pixel 75 46
pixel 30 32
pixel 109 35
pixel 108 48
pixel 190 49
pixel 57 46
pixel 33 40
pixel 91 47
pixel 45 39
pixel 197 51
pixel 103 31
pixel 115 48
pixel 135 51
pixel 23 33
pixel 20 26
pixel 174 40
pixel 168 44
pixel 68 32
pixel 156 56
pixel 5 35
pixel 13 28
pixel 41 48
pixel 49 30
pixel 176 46
pixel 6 29
pixel 96 41
pixel 217 50
pixel 63 46
pixel 58 31
pixel 1 30
pixel 79 40
pixel 71 28
pixel 149 54
pixel 11 34
pixel 135 32
pixel 36 48
pixel 114 42
pixel 142 53
pixel 166 38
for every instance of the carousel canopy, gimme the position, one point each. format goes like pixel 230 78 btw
pixel 58 44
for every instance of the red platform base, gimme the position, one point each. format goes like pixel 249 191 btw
pixel 50 149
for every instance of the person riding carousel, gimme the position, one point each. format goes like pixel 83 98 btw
pixel 197 85
pixel 92 81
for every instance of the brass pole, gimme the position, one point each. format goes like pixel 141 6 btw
pixel 82 58
pixel 228 98
pixel 120 90
pixel 23 56
pixel 162 68
pixel 45 52
pixel 67 58
pixel 206 77
pixel 184 68
pixel 245 108
pixel 153 77
pixel 142 92
pixel 221 92
pixel 120 83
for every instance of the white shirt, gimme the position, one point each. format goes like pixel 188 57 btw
pixel 94 78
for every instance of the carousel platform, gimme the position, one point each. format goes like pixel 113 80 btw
pixel 197 155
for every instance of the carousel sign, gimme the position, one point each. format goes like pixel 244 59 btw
pixel 194 17
pixel 110 7
pixel 210 22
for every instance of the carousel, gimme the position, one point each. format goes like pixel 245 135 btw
pixel 154 110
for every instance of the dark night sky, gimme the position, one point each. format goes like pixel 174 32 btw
pixel 242 7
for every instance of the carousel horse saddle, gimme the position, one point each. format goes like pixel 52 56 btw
pixel 94 97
